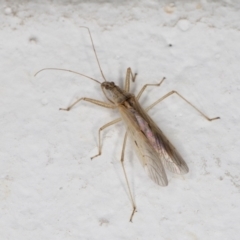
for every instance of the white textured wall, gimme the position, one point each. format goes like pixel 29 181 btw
pixel 49 187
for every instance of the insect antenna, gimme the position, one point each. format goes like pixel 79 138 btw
pixel 95 53
pixel 66 70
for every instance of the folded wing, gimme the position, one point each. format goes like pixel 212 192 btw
pixel 152 147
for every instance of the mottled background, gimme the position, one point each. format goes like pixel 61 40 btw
pixel 49 187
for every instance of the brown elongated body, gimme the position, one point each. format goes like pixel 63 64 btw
pixel 152 147
pixel 154 150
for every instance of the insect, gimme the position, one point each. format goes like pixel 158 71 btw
pixel 154 150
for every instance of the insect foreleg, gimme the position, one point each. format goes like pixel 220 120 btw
pixel 99 135
pixel 172 92
pixel 94 101
pixel 125 174
pixel 129 75
pixel 147 85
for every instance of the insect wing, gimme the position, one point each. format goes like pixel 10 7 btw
pixel 146 153
pixel 167 153
pixel 152 147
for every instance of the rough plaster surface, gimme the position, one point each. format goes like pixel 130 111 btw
pixel 49 187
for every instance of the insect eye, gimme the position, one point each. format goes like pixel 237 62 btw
pixel 109 86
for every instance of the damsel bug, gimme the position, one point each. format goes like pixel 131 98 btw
pixel 154 150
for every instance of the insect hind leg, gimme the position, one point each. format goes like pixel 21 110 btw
pixel 126 178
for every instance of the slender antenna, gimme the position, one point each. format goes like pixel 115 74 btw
pixel 95 53
pixel 66 70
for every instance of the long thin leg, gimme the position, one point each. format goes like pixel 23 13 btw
pixel 99 135
pixel 94 101
pixel 125 174
pixel 172 92
pixel 127 79
pixel 147 85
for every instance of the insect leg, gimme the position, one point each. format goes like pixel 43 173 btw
pixel 94 101
pixel 147 85
pixel 172 92
pixel 99 135
pixel 127 79
pixel 125 174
